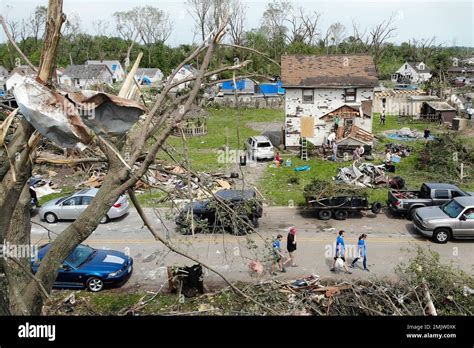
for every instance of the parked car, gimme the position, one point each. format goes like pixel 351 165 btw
pixel 70 207
pixel 406 202
pixel 454 219
pixel 206 214
pixel 89 268
pixel 259 147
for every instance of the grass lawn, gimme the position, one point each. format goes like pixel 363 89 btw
pixel 223 126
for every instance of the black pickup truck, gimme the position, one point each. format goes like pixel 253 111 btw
pixel 406 202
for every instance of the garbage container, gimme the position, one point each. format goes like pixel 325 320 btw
pixel 243 160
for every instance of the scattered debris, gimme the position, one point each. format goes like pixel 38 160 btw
pixel 363 175
pixel 256 267
pixel 186 280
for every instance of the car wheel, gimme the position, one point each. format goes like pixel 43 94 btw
pixel 94 284
pixel 341 214
pixel 324 214
pixel 411 213
pixel 376 207
pixel 50 218
pixel 441 235
pixel 255 221
pixel 104 219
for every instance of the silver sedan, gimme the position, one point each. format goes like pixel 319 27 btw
pixel 70 207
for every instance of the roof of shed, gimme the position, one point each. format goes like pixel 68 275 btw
pixel 85 71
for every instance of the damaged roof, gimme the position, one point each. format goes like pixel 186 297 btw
pixel 328 71
pixel 415 65
pixel 440 106
pixel 85 71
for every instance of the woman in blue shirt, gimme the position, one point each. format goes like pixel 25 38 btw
pixel 362 252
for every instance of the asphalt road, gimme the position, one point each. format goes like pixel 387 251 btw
pixel 390 241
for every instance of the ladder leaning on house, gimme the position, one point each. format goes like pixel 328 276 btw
pixel 304 149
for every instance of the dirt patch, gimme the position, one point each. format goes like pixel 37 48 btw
pixel 265 126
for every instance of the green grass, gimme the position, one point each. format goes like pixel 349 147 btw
pixel 222 127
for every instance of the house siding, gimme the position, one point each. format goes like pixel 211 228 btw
pixel 324 100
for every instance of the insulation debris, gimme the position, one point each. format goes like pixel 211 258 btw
pixel 364 175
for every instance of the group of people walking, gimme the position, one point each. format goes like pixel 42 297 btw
pixel 278 254
pixel 339 256
pixel 341 252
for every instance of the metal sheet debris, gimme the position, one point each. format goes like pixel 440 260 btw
pixel 68 118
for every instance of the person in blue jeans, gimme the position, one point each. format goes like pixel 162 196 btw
pixel 277 255
pixel 362 252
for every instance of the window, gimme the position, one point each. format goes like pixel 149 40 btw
pixel 350 95
pixel 72 201
pixel 348 122
pixel 442 194
pixel 86 200
pixel 406 66
pixel 455 194
pixel 421 66
pixel 308 96
pixel 469 214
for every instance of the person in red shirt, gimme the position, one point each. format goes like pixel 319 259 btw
pixel 278 158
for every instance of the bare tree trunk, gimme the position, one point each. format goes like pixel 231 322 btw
pixel 15 225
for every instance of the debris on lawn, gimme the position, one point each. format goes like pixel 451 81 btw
pixel 441 159
pixel 363 175
pixel 42 187
pixel 406 134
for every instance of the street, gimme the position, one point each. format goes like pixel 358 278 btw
pixel 390 241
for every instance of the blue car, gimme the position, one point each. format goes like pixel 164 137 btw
pixel 90 268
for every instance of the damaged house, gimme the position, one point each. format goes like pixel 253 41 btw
pixel 118 74
pixel 321 89
pixel 85 76
pixel 412 72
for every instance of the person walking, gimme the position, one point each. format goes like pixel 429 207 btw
pixel 291 246
pixel 361 252
pixel 382 118
pixel 277 255
pixel 340 252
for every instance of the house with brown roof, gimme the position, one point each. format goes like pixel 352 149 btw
pixel 324 90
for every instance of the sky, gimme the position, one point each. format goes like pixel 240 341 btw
pixel 450 21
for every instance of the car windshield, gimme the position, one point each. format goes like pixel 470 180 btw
pixel 452 209
pixel 80 255
pixel 265 144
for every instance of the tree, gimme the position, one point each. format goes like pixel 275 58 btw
pixel 199 10
pixel 37 21
pixel 273 25
pixel 237 21
pixel 379 36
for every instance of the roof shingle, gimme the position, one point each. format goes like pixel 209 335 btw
pixel 328 71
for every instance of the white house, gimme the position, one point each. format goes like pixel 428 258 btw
pixel 118 74
pixel 85 76
pixel 320 89
pixel 149 75
pixel 185 72
pixel 412 72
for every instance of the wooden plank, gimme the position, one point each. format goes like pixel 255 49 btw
pixel 307 127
